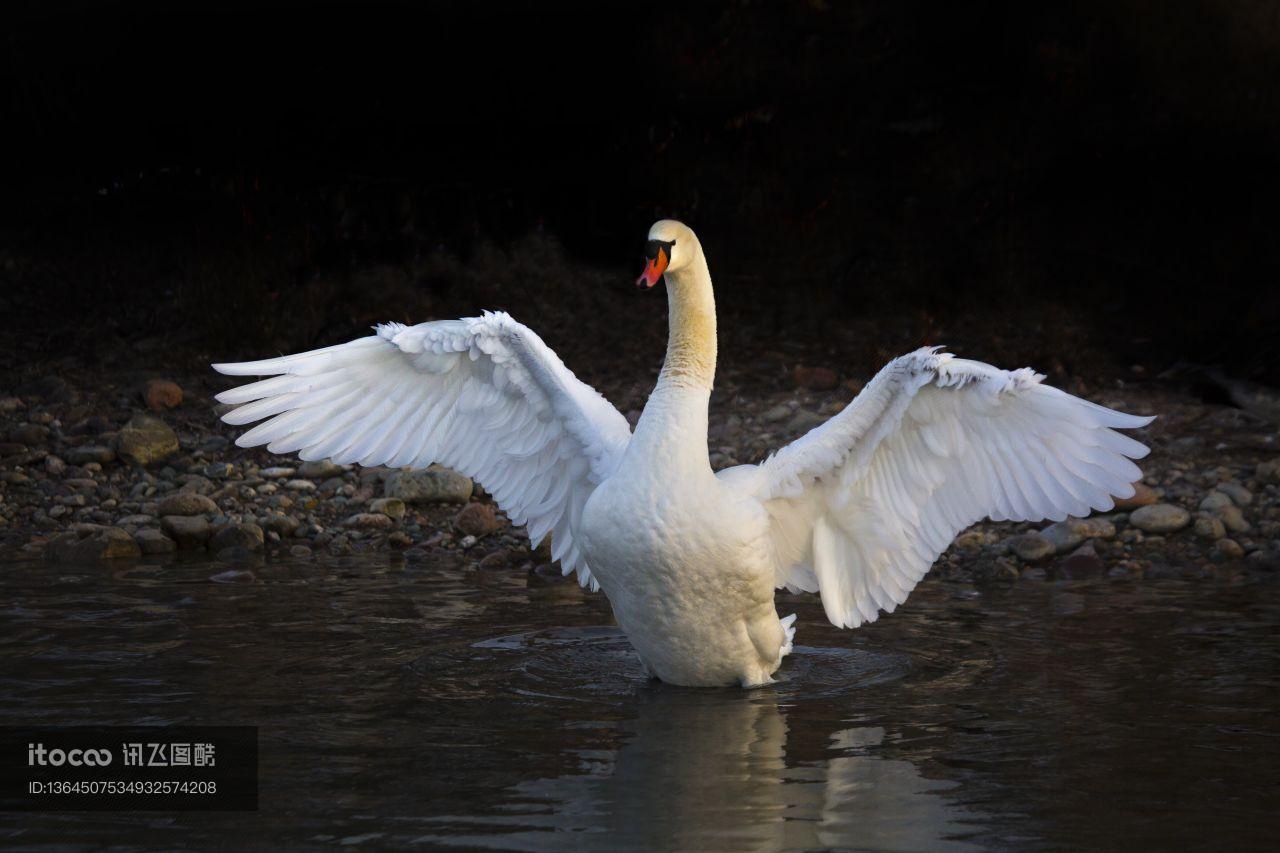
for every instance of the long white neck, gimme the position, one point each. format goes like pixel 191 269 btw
pixel 672 431
pixel 691 335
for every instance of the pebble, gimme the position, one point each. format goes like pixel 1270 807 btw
pixel 280 524
pixel 1215 501
pixel 393 508
pixel 219 470
pixel 1069 533
pixel 299 551
pixel 186 503
pixel 1143 495
pixel 1082 562
pixel 161 395
pixel 1268 472
pixel 146 439
pixel 214 444
pixel 1228 549
pixel 1160 518
pixel 247 536
pixel 1210 527
pixel 973 540
pixel 195 483
pixel 1240 496
pixel 777 414
pixel 369 521
pixel 89 453
pixel 29 434
pixel 436 484
pixel 152 541
pixel 467 542
pixel 278 472
pixel 320 469
pixel 88 543
pixel 1234 519
pixel 300 485
pixel 1032 547
pixel 399 540
pixel 497 560
pixel 189 531
pixel 476 519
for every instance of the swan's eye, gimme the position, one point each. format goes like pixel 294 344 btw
pixel 652 248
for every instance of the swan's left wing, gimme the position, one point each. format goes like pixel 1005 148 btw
pixel 864 504
pixel 483 395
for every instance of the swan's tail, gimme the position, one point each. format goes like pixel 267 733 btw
pixel 789 630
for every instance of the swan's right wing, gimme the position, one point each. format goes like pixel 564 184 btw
pixel 483 395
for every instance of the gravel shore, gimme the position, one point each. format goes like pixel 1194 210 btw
pixel 97 469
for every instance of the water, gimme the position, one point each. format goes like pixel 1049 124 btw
pixel 435 705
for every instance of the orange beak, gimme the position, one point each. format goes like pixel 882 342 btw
pixel 653 269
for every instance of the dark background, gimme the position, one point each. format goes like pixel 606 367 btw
pixel 1084 186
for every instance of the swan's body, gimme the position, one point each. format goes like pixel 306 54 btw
pixel 857 510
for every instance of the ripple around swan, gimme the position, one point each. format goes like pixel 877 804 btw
pixel 598 663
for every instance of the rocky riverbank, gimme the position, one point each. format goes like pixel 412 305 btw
pixel 100 470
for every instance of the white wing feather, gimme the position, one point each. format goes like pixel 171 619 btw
pixel 864 504
pixel 483 395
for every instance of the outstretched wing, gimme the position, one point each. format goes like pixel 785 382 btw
pixel 483 395
pixel 864 504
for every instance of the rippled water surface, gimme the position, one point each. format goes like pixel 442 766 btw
pixel 432 704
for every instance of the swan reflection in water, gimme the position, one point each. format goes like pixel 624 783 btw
pixel 708 770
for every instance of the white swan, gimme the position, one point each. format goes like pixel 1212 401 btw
pixel 856 510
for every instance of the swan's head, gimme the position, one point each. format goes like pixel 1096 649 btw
pixel 670 248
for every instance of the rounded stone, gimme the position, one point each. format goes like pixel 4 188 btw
pixel 369 521
pixel 146 439
pixel 1143 495
pixel 1160 518
pixel 1234 519
pixel 1229 549
pixel 393 508
pixel 161 395
pixel 319 469
pixel 435 484
pixel 1032 547
pixel 90 543
pixel 1215 501
pixel 476 519
pixel 497 560
pixel 283 525
pixel 1268 472
pixel 248 536
pixel 152 541
pixel 1210 527
pixel 1067 534
pixel 1240 496
pixel 189 531
pixel 186 503
pixel 89 453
